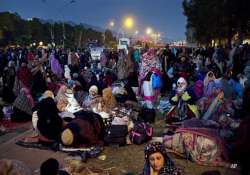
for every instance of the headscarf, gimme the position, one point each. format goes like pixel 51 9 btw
pixel 24 101
pixel 67 72
pixel 209 84
pixel 198 88
pixel 11 167
pixel 181 84
pixel 61 98
pixel 92 99
pixel 93 89
pixel 209 77
pixel 49 122
pixel 55 66
pixel 47 94
pixel 108 99
pixel 168 168
pixel 24 75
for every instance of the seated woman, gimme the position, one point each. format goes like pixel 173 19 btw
pixel 209 84
pixel 66 101
pixel 213 107
pixel 51 167
pixel 157 161
pixel 23 105
pixel 79 92
pixel 61 98
pixel 183 102
pixel 10 167
pixel 48 124
pixel 198 88
pixel 92 98
pixel 87 129
pixel 108 100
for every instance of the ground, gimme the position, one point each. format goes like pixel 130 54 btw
pixel 119 160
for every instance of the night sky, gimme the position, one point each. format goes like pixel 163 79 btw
pixel 164 16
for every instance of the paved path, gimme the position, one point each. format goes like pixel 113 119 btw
pixel 120 160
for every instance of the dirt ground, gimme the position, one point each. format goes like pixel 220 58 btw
pixel 119 160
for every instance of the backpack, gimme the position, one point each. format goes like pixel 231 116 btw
pixel 141 133
pixel 116 134
pixel 156 81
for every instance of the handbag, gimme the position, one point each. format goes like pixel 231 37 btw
pixel 141 133
pixel 116 134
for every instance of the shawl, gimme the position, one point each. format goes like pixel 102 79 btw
pixel 209 78
pixel 24 101
pixel 109 100
pixel 168 168
pixel 55 66
pixel 198 88
pixel 24 75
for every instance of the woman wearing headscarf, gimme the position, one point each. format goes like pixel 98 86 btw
pixel 157 162
pixel 87 129
pixel 210 92
pixel 9 74
pixel 11 167
pixel 55 65
pixel 24 75
pixel 121 66
pixel 61 98
pixel 183 103
pixel 23 105
pixel 182 68
pixel 92 99
pixel 39 85
pixel 198 89
pixel 109 101
pixel 209 84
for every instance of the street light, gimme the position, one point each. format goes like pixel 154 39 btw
pixel 128 23
pixel 112 24
pixel 149 31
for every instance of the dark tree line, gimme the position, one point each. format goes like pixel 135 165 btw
pixel 218 19
pixel 15 30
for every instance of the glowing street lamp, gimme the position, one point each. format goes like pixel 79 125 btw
pixel 128 23
pixel 136 32
pixel 40 43
pixel 149 31
pixel 112 24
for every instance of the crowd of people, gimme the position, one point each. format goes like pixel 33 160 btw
pixel 77 102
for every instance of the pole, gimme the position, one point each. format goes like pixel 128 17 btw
pixel 61 11
pixel 63 35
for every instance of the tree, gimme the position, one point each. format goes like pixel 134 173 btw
pixel 213 19
pixel 15 30
pixel 110 40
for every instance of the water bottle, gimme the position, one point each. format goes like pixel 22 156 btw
pixel 7 110
pixel 173 86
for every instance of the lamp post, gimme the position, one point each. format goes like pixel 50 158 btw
pixel 110 26
pixel 127 24
pixel 63 24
